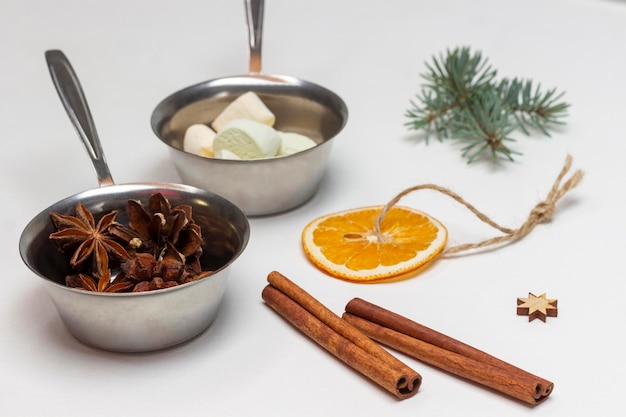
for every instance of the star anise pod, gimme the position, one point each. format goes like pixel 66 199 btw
pixel 150 273
pixel 160 248
pixel 153 229
pixel 88 240
pixel 101 280
pixel 156 283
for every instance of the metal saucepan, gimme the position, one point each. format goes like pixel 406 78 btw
pixel 263 186
pixel 131 322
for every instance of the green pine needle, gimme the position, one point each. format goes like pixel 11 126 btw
pixel 461 100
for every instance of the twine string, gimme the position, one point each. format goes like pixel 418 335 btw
pixel 541 213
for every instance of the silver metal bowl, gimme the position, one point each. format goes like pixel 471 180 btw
pixel 263 186
pixel 145 321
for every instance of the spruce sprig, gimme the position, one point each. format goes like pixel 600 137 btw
pixel 462 100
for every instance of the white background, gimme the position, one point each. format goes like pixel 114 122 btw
pixel 131 54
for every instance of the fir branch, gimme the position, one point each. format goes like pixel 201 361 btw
pixel 485 127
pixel 531 107
pixel 462 100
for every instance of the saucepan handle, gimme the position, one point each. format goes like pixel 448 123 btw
pixel 254 18
pixel 75 103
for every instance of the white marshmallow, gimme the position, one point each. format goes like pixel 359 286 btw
pixel 294 142
pixel 246 106
pixel 226 154
pixel 247 139
pixel 199 140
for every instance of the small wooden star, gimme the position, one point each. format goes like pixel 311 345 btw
pixel 536 307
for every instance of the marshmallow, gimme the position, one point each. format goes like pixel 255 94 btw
pixel 226 154
pixel 247 106
pixel 199 140
pixel 247 139
pixel 294 142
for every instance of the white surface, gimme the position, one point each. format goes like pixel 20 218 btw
pixel 130 55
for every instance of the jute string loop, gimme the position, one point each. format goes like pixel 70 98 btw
pixel 541 213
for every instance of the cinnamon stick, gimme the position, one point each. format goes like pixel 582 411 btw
pixel 339 337
pixel 444 352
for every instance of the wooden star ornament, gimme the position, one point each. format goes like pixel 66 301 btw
pixel 536 307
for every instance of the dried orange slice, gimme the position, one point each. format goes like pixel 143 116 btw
pixel 347 245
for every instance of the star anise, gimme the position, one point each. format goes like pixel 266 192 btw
pixel 149 273
pixel 101 280
pixel 160 248
pixel 154 229
pixel 88 240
